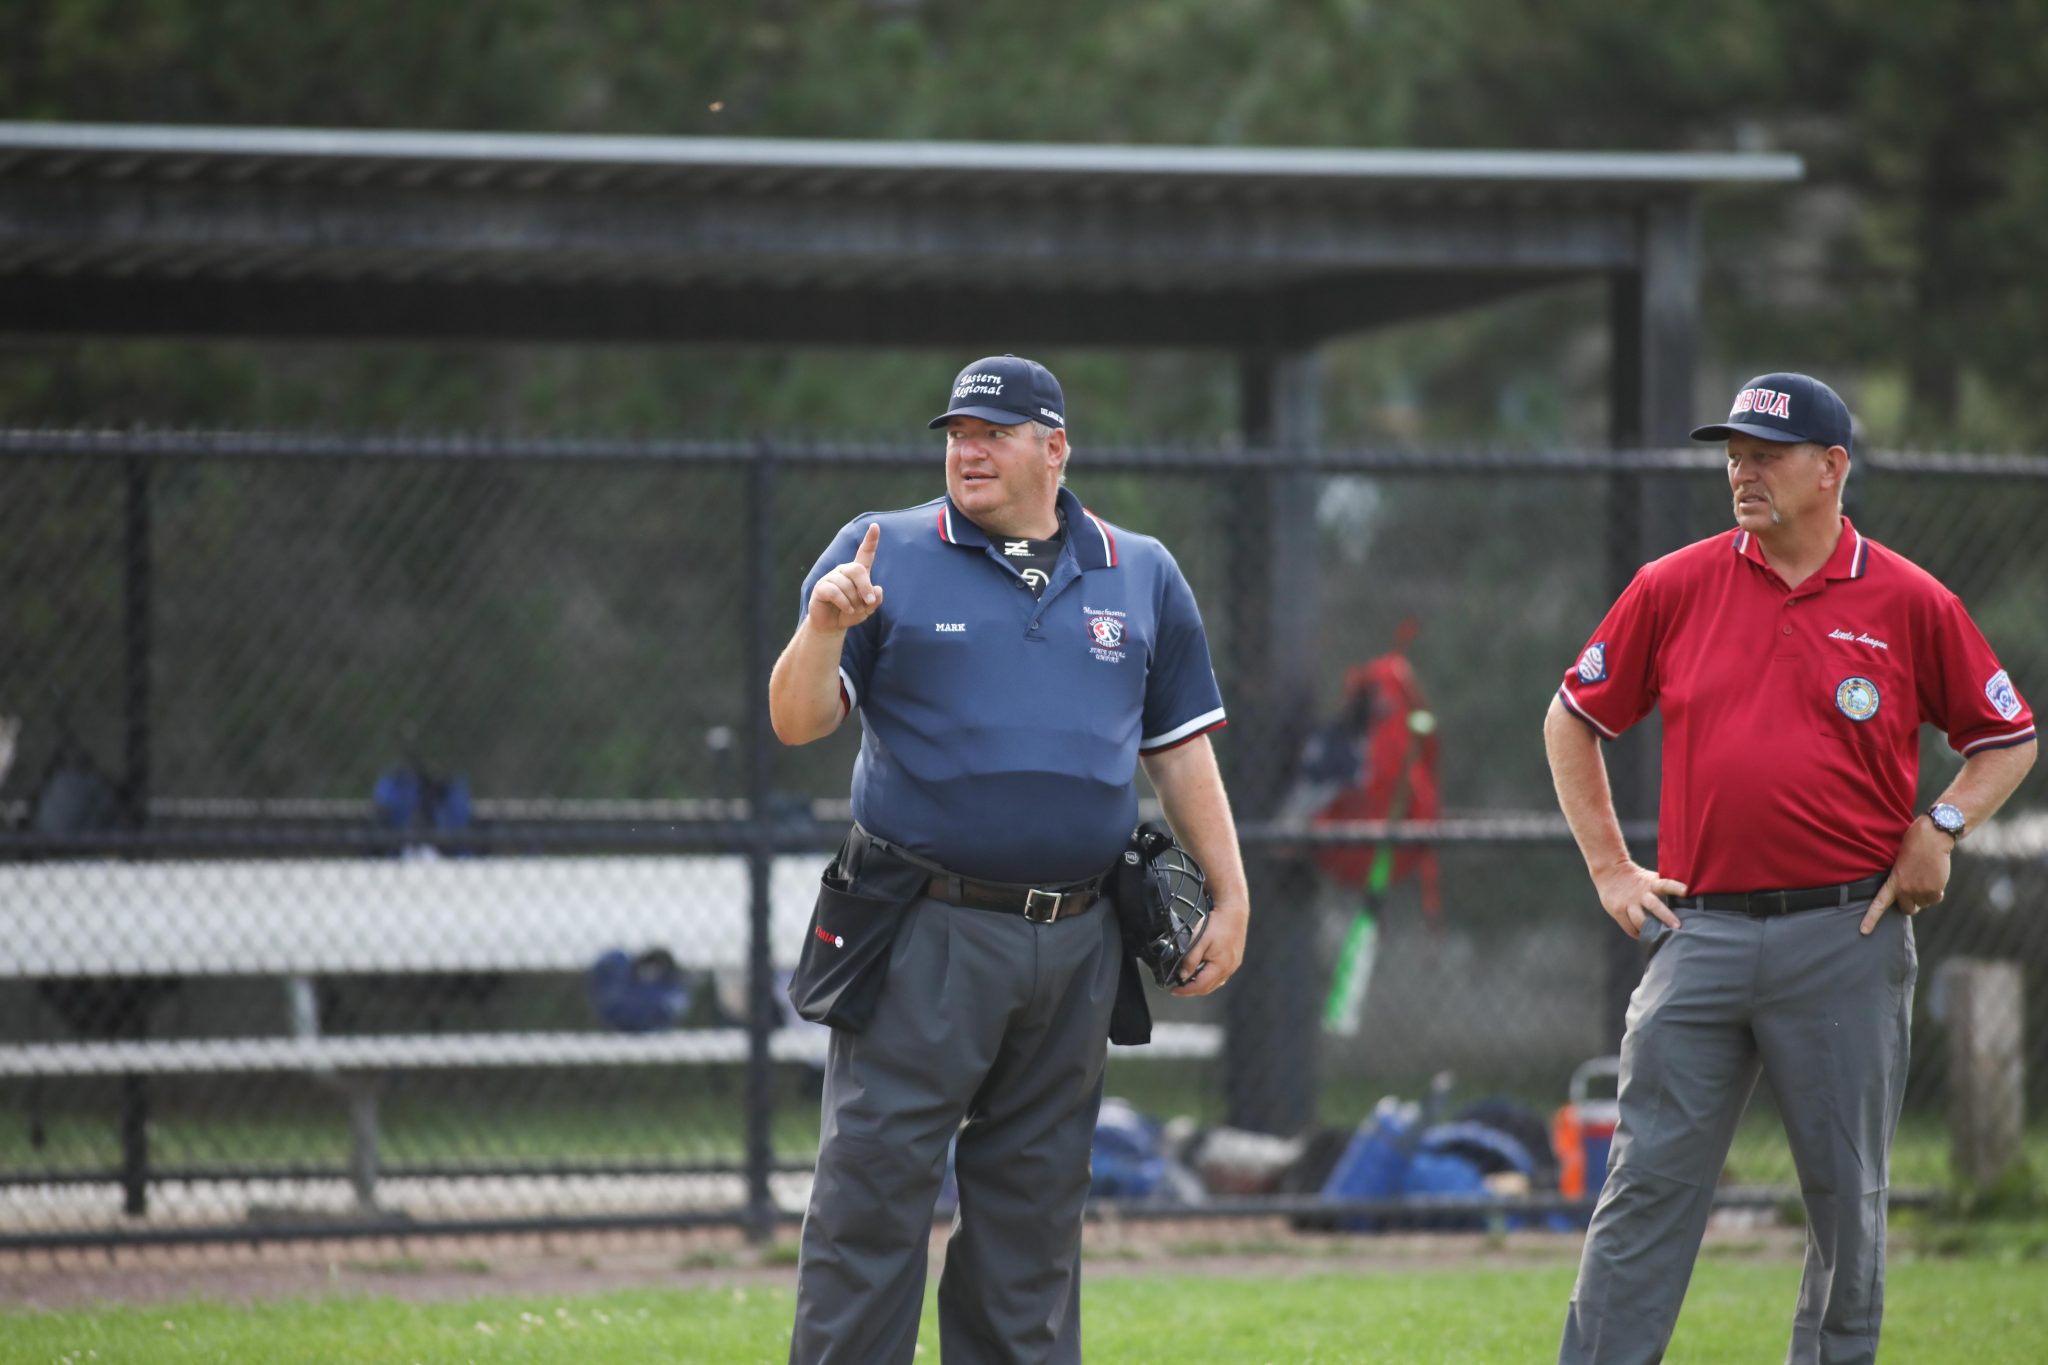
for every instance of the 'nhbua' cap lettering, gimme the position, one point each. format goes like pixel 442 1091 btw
pixel 1786 407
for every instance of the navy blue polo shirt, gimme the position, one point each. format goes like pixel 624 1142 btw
pixel 1000 732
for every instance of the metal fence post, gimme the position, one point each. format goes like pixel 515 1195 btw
pixel 1653 325
pixel 1269 1059
pixel 761 1013
pixel 136 609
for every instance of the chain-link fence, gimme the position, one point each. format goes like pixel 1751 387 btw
pixel 394 834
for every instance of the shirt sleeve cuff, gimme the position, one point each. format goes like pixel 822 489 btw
pixel 1571 704
pixel 1181 734
pixel 2003 740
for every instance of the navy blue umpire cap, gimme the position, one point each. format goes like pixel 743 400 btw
pixel 1006 390
pixel 1785 407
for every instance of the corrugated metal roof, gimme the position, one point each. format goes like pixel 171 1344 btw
pixel 336 232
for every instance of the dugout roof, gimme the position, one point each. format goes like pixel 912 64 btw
pixel 153 230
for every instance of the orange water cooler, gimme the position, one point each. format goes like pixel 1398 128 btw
pixel 1583 1132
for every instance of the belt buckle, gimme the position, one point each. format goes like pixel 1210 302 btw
pixel 1032 899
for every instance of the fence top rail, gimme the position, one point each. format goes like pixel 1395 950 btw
pixel 789 832
pixel 309 446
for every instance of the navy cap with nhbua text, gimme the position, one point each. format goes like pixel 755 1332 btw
pixel 1785 407
pixel 1006 390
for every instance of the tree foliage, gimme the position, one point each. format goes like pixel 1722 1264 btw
pixel 1906 267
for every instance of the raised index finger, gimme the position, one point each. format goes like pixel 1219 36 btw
pixel 865 555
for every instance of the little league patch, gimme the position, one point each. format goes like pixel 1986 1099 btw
pixel 1856 698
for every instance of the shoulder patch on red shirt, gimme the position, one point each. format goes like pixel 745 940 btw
pixel 1998 690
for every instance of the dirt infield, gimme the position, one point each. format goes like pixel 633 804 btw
pixel 440 1268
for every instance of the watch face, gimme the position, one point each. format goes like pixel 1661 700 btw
pixel 1947 818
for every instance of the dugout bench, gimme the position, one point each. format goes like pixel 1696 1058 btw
pixel 296 921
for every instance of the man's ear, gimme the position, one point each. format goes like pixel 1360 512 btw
pixel 1056 449
pixel 1837 458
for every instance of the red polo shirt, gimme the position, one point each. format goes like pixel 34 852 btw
pixel 1791 716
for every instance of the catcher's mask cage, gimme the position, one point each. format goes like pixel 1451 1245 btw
pixel 1176 901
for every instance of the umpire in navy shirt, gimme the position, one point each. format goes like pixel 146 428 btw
pixel 1013 658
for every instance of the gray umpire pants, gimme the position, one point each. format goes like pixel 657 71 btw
pixel 1822 1013
pixel 1003 1024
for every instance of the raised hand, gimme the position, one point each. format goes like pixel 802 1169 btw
pixel 849 594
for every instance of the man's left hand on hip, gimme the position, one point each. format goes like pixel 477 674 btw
pixel 1919 876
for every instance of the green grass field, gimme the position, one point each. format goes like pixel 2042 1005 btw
pixel 1979 1309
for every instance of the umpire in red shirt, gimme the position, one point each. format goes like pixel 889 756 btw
pixel 1793 661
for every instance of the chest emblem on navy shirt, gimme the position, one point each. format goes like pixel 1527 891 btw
pixel 1855 638
pixel 1856 698
pixel 1106 634
pixel 950 627
pixel 1593 663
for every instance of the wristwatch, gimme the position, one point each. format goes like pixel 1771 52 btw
pixel 1947 818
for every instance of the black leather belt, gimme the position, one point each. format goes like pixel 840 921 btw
pixel 1765 904
pixel 1040 905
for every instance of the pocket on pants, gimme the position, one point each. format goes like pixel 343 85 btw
pixel 1906 959
pixel 845 958
pixel 1652 936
